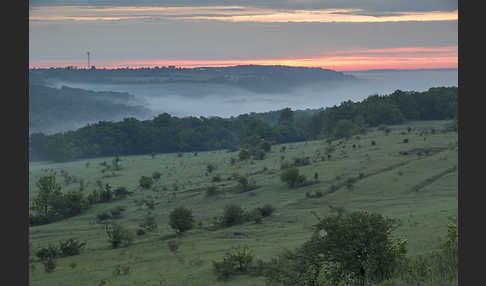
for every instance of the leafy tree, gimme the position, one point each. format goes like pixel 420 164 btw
pixel 181 220
pixel 48 196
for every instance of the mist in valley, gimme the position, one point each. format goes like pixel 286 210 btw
pixel 208 99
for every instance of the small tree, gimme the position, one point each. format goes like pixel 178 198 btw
pixel 117 235
pixel 146 182
pixel 181 220
pixel 49 193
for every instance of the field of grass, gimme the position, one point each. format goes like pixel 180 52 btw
pixel 420 188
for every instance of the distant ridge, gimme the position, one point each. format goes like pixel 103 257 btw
pixel 403 70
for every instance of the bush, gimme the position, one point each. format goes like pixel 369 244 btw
pixel 211 191
pixel 121 192
pixel 116 212
pixel 243 155
pixel 292 177
pixel 173 245
pixel 233 215
pixel 255 215
pixel 216 179
pixel 50 251
pixel 259 154
pixel 103 216
pixel 117 235
pixel 302 161
pixel 146 182
pixel 236 261
pixel 70 247
pixel 156 175
pixel 49 265
pixel 149 223
pixel 266 210
pixel 181 220
pixel 210 168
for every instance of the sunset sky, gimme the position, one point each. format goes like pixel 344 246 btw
pixel 342 35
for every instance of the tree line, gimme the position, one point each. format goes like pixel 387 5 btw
pixel 167 134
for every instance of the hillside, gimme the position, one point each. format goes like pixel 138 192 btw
pixel 269 79
pixel 415 182
pixel 55 110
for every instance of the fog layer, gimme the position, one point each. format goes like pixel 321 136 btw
pixel 192 99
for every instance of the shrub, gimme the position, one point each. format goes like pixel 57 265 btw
pixel 121 270
pixel 149 223
pixel 146 182
pixel 233 215
pixel 405 140
pixel 117 235
pixel 302 161
pixel 156 175
pixel 50 251
pixel 211 191
pixel 181 220
pixel 210 168
pixel 216 179
pixel 116 212
pixel 49 265
pixel 292 177
pixel 243 155
pixel 70 247
pixel 173 245
pixel 121 192
pixel 236 261
pixel 255 215
pixel 103 216
pixel 266 210
pixel 265 146
pixel 259 154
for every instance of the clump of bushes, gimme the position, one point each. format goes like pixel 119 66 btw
pixel 293 179
pixel 234 215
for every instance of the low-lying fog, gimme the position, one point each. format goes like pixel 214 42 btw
pixel 225 101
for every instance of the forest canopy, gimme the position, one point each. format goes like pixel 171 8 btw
pixel 166 133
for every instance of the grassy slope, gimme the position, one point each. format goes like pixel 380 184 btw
pixel 389 191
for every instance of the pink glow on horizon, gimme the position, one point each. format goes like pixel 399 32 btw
pixel 343 60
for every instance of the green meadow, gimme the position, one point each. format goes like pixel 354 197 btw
pixel 415 182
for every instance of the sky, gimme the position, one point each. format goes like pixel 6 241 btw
pixel 343 35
